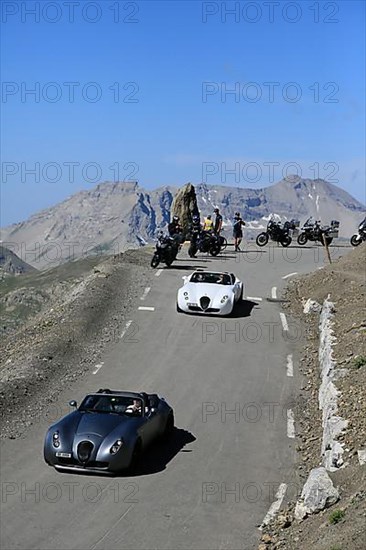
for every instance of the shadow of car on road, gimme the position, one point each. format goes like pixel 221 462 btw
pixel 243 309
pixel 156 457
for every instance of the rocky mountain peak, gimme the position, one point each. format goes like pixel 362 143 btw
pixel 185 205
pixel 115 216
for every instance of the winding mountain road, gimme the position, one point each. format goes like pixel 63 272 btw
pixel 232 383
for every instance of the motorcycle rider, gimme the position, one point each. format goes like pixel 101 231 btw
pixel 237 231
pixel 176 232
pixel 195 231
pixel 174 227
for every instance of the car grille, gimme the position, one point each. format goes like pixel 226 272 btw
pixel 204 302
pixel 84 450
pixel 208 310
pixel 63 460
pixel 97 464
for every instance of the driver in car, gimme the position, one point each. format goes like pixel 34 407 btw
pixel 135 407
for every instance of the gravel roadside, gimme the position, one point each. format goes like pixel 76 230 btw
pixel 342 526
pixel 67 337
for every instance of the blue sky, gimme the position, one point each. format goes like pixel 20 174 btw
pixel 172 121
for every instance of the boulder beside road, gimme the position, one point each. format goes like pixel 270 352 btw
pixel 318 493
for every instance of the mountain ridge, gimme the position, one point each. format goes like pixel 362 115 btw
pixel 114 216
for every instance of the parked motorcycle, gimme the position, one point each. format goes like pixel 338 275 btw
pixel 166 251
pixel 205 241
pixel 314 231
pixel 361 236
pixel 276 233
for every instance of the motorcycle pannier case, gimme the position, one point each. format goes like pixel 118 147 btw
pixel 334 231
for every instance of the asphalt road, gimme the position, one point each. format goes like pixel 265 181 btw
pixel 232 455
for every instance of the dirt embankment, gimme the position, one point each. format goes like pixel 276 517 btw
pixel 55 325
pixel 343 526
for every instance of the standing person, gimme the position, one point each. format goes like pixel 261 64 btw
pixel 208 223
pixel 195 231
pixel 217 222
pixel 237 231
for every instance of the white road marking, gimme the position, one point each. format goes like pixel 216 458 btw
pixel 290 424
pixel 290 365
pixel 98 367
pixel 158 273
pixel 284 321
pixel 146 308
pixel 128 324
pixel 290 275
pixel 274 293
pixel 146 292
pixel 275 506
pixel 254 298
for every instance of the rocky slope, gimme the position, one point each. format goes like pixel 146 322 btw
pixel 343 525
pixel 11 264
pixel 115 216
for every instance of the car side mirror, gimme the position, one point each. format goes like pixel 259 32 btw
pixel 73 403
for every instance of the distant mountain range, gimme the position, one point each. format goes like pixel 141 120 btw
pixel 115 216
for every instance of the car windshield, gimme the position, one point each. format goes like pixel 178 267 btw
pixel 113 404
pixel 214 278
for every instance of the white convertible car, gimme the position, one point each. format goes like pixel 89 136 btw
pixel 210 293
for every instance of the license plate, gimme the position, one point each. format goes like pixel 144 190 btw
pixel 64 455
pixel 191 304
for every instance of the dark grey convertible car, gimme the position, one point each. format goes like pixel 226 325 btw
pixel 108 432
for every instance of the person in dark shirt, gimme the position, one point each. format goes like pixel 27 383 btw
pixel 217 222
pixel 174 227
pixel 237 231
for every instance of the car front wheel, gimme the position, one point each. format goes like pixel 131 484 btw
pixel 136 456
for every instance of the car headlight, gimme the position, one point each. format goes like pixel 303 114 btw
pixel 116 446
pixel 224 298
pixel 185 294
pixel 56 439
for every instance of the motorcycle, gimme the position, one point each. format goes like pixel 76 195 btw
pixel 314 231
pixel 357 239
pixel 276 233
pixel 205 241
pixel 166 251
